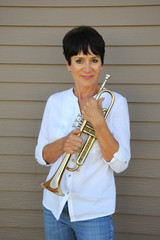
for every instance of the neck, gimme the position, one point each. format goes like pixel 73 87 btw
pixel 84 93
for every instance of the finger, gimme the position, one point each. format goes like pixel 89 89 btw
pixel 74 138
pixel 74 142
pixel 69 151
pixel 100 101
pixel 72 148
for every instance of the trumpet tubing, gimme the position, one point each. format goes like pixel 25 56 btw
pixel 53 184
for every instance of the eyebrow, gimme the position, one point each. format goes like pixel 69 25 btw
pixel 95 56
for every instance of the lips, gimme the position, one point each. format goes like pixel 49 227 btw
pixel 87 76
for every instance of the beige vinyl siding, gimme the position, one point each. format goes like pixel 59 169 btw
pixel 109 16
pixel 32 67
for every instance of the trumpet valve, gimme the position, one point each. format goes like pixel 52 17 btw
pixel 78 122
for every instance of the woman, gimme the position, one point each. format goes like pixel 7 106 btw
pixel 85 211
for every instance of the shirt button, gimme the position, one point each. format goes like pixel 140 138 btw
pixel 67 193
pixel 69 175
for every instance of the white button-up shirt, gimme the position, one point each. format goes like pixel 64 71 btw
pixel 90 191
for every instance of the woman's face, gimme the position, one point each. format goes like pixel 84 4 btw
pixel 85 69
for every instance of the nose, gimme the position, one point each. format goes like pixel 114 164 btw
pixel 87 67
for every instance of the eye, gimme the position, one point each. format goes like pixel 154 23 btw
pixel 95 60
pixel 79 61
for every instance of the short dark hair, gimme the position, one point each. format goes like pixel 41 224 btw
pixel 81 39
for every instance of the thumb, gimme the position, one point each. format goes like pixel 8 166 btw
pixel 76 131
pixel 100 101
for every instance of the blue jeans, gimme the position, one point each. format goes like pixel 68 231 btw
pixel 94 229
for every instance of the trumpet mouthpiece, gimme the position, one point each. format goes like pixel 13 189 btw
pixel 107 76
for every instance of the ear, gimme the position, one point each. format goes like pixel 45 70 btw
pixel 68 66
pixel 67 63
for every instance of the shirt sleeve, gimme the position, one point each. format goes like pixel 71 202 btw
pixel 121 132
pixel 43 135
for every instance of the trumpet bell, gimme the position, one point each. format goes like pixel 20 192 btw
pixel 48 185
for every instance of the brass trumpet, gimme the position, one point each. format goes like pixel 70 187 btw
pixel 53 184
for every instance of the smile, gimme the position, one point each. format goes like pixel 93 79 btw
pixel 87 76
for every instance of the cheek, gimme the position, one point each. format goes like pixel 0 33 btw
pixel 75 69
pixel 98 68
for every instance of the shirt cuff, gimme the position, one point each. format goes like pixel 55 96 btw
pixel 120 160
pixel 39 157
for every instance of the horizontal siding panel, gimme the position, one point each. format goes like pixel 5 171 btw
pixel 17 233
pixel 144 112
pixel 148 168
pixel 21 218
pixel 139 93
pixel 31 92
pixel 145 131
pixel 21 182
pixel 61 16
pixel 34 110
pixel 21 109
pixel 26 146
pixel 20 164
pixel 30 128
pixel 145 149
pixel 83 3
pixel 133 236
pixel 39 92
pixel 19 128
pixel 28 55
pixel 50 36
pixel 134 224
pixel 16 164
pixel 19 145
pixel 138 205
pixel 59 74
pixel 53 55
pixel 133 55
pixel 129 186
pixel 28 200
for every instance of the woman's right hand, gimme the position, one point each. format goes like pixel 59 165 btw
pixel 73 142
pixel 68 144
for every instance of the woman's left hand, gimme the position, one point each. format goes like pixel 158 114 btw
pixel 92 111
